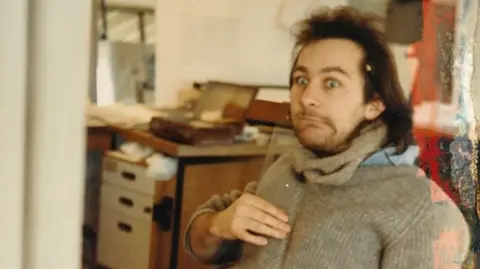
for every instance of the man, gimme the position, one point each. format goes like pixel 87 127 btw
pixel 349 196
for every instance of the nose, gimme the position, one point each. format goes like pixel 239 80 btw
pixel 310 96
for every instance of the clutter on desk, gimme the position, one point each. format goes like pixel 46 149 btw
pixel 269 113
pixel 249 134
pixel 193 132
pixel 158 166
pixel 121 115
pixel 136 151
pixel 188 98
pixel 219 116
pixel 161 167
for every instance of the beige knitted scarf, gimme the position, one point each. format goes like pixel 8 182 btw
pixel 339 169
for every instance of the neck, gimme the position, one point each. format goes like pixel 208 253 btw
pixel 338 168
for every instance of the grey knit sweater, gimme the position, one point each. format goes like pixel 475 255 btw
pixel 350 216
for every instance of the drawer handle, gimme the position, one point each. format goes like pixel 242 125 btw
pixel 128 175
pixel 163 213
pixel 124 227
pixel 125 201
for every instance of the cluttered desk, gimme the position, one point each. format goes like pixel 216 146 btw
pixel 165 165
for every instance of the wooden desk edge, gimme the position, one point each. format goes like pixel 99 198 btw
pixel 178 150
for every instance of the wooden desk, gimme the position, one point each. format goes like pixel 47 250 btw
pixel 202 172
pixel 186 151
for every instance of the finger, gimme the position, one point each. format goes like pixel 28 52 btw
pixel 266 207
pixel 262 217
pixel 245 236
pixel 262 229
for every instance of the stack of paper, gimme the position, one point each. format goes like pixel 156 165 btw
pixel 121 115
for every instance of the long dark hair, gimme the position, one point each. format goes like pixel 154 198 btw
pixel 378 65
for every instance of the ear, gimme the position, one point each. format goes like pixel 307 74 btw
pixel 374 109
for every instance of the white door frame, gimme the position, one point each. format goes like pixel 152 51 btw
pixel 13 66
pixel 44 79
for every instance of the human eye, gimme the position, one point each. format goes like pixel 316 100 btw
pixel 301 80
pixel 331 83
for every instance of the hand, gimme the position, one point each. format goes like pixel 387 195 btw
pixel 250 219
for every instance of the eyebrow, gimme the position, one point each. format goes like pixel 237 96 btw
pixel 328 69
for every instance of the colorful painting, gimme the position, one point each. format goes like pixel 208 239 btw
pixel 449 158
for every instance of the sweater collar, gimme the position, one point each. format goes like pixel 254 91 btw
pixel 339 169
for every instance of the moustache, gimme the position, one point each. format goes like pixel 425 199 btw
pixel 313 117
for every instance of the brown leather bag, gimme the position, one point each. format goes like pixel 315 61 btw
pixel 233 100
pixel 199 134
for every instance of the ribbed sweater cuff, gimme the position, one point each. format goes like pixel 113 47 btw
pixel 187 245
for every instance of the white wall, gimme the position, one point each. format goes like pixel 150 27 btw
pixel 235 41
pixel 244 41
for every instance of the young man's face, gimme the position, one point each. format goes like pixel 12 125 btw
pixel 327 95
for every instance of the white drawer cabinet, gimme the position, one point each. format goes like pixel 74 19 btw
pixel 127 233
pixel 130 203
pixel 123 241
pixel 127 175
